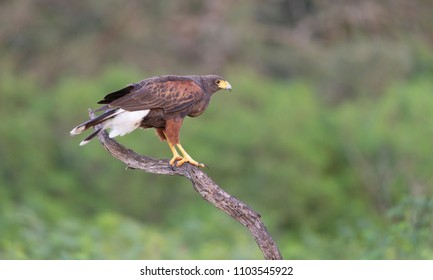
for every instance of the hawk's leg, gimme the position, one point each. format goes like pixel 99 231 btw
pixel 187 158
pixel 161 133
pixel 171 133
pixel 176 155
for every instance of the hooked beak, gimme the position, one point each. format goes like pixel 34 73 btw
pixel 225 85
pixel 229 87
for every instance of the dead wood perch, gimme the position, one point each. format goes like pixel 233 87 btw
pixel 204 185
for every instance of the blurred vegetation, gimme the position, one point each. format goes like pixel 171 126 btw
pixel 326 133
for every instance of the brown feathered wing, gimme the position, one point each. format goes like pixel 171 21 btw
pixel 171 95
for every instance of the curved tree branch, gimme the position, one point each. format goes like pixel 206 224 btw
pixel 204 185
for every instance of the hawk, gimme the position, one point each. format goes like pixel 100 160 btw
pixel 159 102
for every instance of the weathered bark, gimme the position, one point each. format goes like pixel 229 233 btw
pixel 204 185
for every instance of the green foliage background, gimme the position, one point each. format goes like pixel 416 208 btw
pixel 327 132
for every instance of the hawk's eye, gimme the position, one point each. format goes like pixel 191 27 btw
pixel 218 82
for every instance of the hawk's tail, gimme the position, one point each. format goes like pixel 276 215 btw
pixel 91 123
pixel 90 137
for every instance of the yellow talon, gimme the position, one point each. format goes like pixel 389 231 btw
pixel 176 155
pixel 174 159
pixel 178 160
pixel 187 158
pixel 190 160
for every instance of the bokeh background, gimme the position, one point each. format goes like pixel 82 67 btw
pixel 328 131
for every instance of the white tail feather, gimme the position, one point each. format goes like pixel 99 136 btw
pixel 77 130
pixel 84 142
pixel 120 123
pixel 125 122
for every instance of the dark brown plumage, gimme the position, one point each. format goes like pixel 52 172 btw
pixel 159 102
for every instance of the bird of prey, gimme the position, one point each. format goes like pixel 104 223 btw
pixel 160 102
